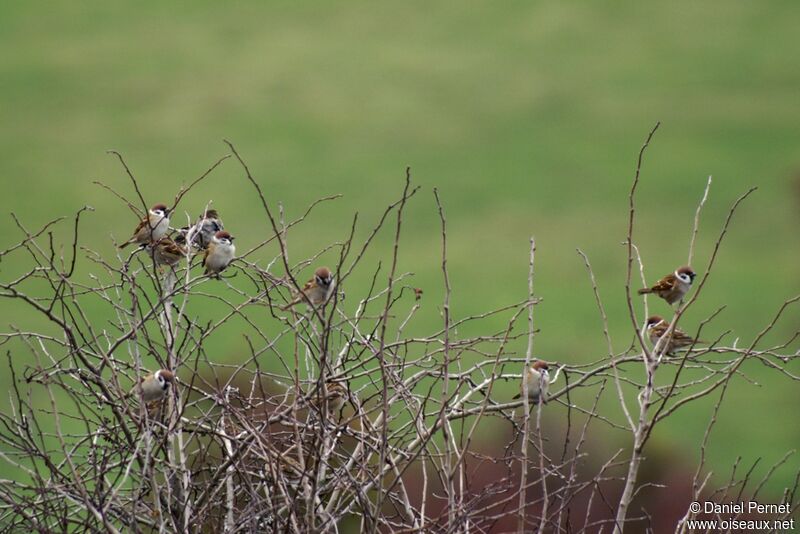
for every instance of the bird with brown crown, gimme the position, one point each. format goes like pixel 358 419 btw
pixel 674 286
pixel 151 228
pixel 657 327
pixel 316 291
pixel 219 254
pixel 151 390
pixel 537 379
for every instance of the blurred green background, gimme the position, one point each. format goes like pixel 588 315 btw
pixel 527 116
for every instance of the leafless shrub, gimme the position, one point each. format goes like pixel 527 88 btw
pixel 361 425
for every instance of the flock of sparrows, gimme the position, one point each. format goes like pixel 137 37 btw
pixel 208 234
pixel 672 288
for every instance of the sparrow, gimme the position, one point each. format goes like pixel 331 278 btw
pixel 168 252
pixel 154 386
pixel 219 254
pixel 336 393
pixel 657 326
pixel 537 379
pixel 203 231
pixel 151 228
pixel 285 467
pixel 674 286
pixel 317 291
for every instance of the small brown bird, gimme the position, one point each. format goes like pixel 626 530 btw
pixel 154 386
pixel 219 254
pixel 168 252
pixel 151 228
pixel 285 467
pixel 537 379
pixel 204 230
pixel 337 397
pixel 656 328
pixel 674 286
pixel 317 291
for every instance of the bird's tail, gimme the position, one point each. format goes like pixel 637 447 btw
pixel 517 396
pixel 644 291
pixel 125 244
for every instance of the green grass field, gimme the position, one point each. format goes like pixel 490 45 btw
pixel 528 118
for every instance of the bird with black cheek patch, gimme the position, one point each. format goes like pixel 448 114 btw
pixel 154 386
pixel 151 228
pixel 537 380
pixel 657 326
pixel 219 254
pixel 316 291
pixel 674 286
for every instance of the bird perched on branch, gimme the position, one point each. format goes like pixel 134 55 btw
pixel 316 292
pixel 202 232
pixel 674 286
pixel 285 466
pixel 154 386
pixel 151 228
pixel 537 379
pixel 336 394
pixel 168 252
pixel 656 328
pixel 219 254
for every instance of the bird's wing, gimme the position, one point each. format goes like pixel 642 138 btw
pixel 144 222
pixel 171 247
pixel 659 331
pixel 136 387
pixel 309 285
pixel 680 335
pixel 301 295
pixel 665 284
